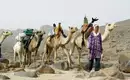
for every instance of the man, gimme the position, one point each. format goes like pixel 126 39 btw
pixel 58 30
pixel 95 48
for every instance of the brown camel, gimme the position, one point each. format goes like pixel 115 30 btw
pixel 34 46
pixel 56 42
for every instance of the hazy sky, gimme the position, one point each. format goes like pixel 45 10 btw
pixel 35 13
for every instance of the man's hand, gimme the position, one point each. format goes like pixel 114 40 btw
pixel 94 19
pixel 102 56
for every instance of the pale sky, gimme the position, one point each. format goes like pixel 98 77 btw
pixel 35 13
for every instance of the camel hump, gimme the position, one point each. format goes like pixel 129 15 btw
pixel 51 33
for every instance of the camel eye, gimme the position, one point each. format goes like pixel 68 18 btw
pixel 71 28
pixel 109 24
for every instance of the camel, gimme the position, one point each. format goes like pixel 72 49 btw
pixel 34 46
pixel 76 41
pixel 23 55
pixel 19 50
pixel 3 36
pixel 55 43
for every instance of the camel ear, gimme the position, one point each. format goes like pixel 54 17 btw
pixel 76 28
pixel 37 32
pixel 106 23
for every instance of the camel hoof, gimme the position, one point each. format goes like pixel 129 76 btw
pixel 72 62
pixel 49 62
pixel 65 65
pixel 80 68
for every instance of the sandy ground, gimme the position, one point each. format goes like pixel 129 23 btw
pixel 60 75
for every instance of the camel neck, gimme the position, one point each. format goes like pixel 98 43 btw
pixel 39 42
pixel 106 34
pixel 2 37
pixel 67 39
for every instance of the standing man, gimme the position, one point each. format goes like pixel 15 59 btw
pixel 95 48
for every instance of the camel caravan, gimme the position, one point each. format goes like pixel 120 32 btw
pixel 28 43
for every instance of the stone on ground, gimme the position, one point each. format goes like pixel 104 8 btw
pixel 124 62
pixel 26 74
pixel 44 69
pixel 3 77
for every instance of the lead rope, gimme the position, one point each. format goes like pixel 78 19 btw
pixel 0 51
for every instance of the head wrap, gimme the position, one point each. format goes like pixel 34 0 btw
pixel 85 20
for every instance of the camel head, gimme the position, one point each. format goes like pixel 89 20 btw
pixel 7 33
pixel 110 27
pixel 73 29
pixel 39 33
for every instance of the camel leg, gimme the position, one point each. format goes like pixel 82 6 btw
pixel 55 55
pixel 44 56
pixel 35 55
pixel 15 56
pixel 23 60
pixel 79 58
pixel 20 58
pixel 48 55
pixel 71 52
pixel 29 58
pixel 72 49
pixel 68 56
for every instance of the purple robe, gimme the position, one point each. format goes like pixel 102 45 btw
pixel 95 46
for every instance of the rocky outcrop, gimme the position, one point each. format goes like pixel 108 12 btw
pixel 108 72
pixel 44 69
pixel 124 62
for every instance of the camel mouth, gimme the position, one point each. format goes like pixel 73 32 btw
pixel 73 31
pixel 110 29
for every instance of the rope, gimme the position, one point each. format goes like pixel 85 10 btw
pixel 0 51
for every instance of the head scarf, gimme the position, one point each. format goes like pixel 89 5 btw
pixel 98 30
pixel 85 20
